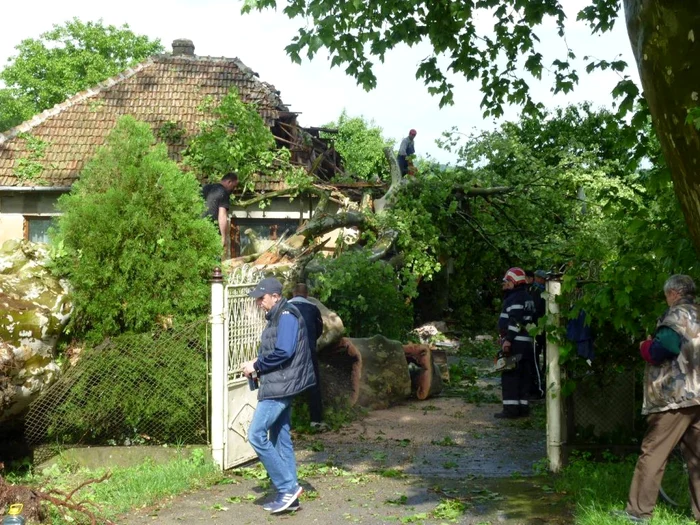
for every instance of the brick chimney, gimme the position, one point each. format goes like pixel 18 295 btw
pixel 183 46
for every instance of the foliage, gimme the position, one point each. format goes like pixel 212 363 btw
pixel 361 144
pixel 598 487
pixel 135 244
pixel 479 349
pixel 561 178
pixel 620 289
pixel 30 168
pixel 368 296
pixel 64 61
pixel 502 55
pixel 234 137
pixel 133 487
pixel 464 383
pixel 13 109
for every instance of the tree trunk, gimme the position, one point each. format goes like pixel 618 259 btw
pixel 378 370
pixel 426 381
pixel 323 223
pixel 664 44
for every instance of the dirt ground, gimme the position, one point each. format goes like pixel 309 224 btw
pixel 413 463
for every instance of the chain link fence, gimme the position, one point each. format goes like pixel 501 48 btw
pixel 603 409
pixel 130 390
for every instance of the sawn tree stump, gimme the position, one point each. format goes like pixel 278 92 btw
pixel 426 378
pixel 378 370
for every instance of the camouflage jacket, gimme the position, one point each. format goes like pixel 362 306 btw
pixel 675 383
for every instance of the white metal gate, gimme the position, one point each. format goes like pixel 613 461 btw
pixel 236 327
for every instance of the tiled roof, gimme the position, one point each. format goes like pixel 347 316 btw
pixel 163 91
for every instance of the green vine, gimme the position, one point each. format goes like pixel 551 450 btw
pixel 29 168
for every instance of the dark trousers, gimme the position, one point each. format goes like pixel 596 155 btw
pixel 515 388
pixel 665 431
pixel 403 164
pixel 313 394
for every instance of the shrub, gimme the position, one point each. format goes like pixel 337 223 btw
pixel 366 295
pixel 131 239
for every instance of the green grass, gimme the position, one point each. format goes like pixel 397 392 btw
pixel 597 488
pixel 127 488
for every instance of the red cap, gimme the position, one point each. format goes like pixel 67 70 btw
pixel 412 132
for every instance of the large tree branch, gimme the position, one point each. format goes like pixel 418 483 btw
pixel 324 223
pixel 483 192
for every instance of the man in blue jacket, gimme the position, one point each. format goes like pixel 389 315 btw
pixel 284 369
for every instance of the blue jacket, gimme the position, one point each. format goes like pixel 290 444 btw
pixel 284 373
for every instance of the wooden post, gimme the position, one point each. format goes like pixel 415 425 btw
pixel 554 400
pixel 218 369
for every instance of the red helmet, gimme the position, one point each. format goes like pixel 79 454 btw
pixel 515 275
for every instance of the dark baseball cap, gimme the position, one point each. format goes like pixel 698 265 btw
pixel 267 285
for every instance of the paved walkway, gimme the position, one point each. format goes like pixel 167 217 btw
pixel 420 462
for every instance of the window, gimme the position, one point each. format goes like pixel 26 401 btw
pixel 36 228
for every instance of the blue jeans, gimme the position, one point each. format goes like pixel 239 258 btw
pixel 276 452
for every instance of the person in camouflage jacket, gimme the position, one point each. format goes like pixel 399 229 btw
pixel 671 399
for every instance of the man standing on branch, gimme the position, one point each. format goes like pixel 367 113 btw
pixel 671 400
pixel 314 328
pixel 284 369
pixel 518 312
pixel 218 197
pixel 406 149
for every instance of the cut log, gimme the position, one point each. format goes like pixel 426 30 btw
pixel 377 367
pixel 426 379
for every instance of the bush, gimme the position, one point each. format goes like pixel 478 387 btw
pixel 366 295
pixel 131 239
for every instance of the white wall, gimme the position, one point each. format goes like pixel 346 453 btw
pixel 15 205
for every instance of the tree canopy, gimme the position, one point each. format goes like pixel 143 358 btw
pixel 496 43
pixel 64 61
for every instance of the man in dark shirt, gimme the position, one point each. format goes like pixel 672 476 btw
pixel 217 197
pixel 314 327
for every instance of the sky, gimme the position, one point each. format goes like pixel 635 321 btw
pixel 314 89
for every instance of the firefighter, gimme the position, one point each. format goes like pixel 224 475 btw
pixel 518 313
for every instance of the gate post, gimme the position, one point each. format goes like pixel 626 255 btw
pixel 554 400
pixel 219 371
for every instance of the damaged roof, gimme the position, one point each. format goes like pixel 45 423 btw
pixel 164 91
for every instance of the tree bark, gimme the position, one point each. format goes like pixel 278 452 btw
pixel 662 34
pixel 324 223
pixel 378 370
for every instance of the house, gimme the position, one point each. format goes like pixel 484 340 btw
pixel 41 158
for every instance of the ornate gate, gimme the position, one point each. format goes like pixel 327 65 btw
pixel 236 327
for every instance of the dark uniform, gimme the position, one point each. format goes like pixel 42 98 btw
pixel 518 312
